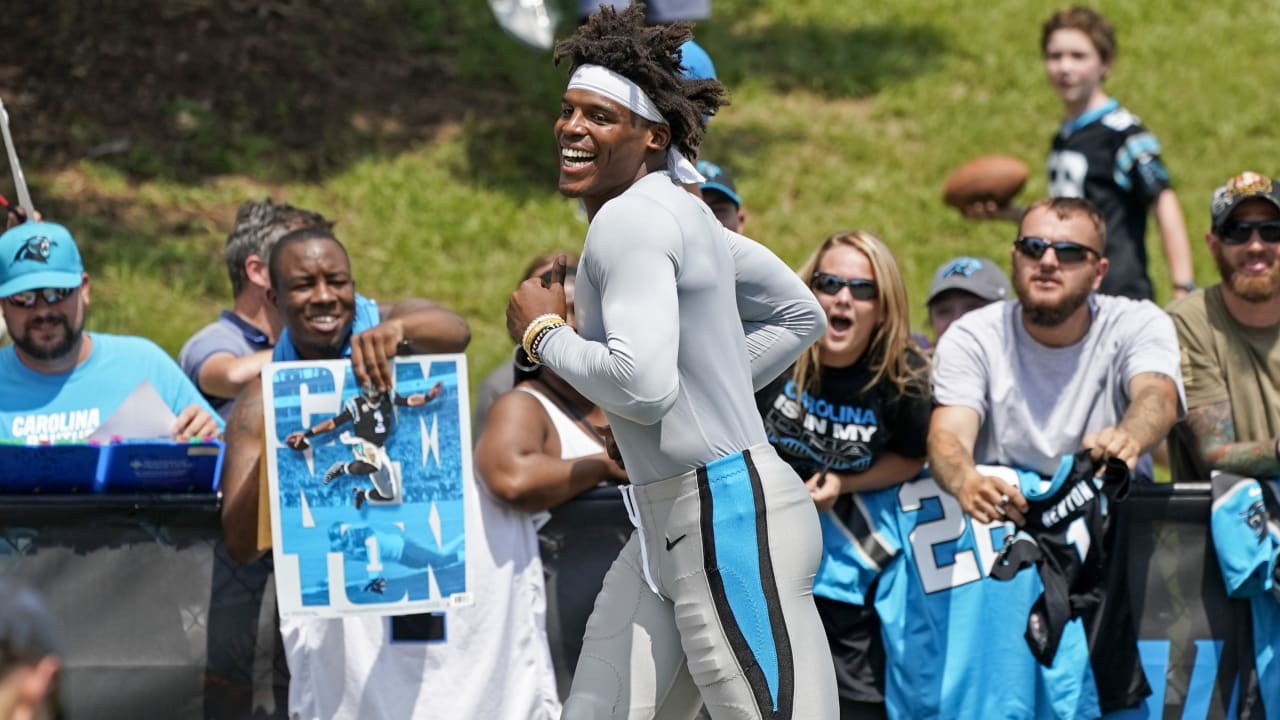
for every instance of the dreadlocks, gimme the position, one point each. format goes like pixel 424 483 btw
pixel 649 56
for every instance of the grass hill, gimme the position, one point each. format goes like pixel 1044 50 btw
pixel 425 132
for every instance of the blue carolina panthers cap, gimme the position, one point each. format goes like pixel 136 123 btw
pixel 697 63
pixel 719 180
pixel 976 276
pixel 38 255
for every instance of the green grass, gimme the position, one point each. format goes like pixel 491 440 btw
pixel 844 115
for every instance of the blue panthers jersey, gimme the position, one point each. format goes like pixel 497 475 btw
pixel 1246 534
pixel 953 636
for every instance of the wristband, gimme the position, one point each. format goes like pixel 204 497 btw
pixel 536 331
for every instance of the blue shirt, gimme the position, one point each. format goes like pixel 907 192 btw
pixel 39 407
pixel 1246 535
pixel 367 316
pixel 953 637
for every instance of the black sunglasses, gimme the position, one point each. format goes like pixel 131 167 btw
pixel 1066 251
pixel 859 288
pixel 1238 233
pixel 52 296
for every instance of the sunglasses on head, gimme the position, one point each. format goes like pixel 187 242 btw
pixel 1238 233
pixel 52 296
pixel 1066 251
pixel 859 288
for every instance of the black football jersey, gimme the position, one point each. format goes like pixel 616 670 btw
pixel 1109 158
pixel 1063 537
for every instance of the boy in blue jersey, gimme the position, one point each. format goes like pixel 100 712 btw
pixel 57 382
pixel 1102 153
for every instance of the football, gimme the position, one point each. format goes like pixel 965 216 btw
pixel 998 178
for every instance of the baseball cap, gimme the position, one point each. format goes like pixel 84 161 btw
pixel 1248 185
pixel 977 276
pixel 696 61
pixel 28 631
pixel 718 179
pixel 38 255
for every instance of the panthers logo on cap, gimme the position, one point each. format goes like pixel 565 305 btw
pixel 709 169
pixel 964 267
pixel 36 248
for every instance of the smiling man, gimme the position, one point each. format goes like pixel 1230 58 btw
pixel 1230 336
pixel 324 319
pixel 1022 383
pixel 678 320
pixel 357 667
pixel 58 382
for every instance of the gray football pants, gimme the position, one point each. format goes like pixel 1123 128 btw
pixel 724 614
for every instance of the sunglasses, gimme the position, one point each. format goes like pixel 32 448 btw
pixel 1238 233
pixel 569 271
pixel 52 296
pixel 1066 252
pixel 859 288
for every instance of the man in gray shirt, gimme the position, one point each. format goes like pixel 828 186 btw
pixel 1021 383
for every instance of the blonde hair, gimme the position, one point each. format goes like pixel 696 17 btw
pixel 891 340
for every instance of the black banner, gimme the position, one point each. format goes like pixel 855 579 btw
pixel 160 623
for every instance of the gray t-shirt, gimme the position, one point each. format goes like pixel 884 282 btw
pixel 679 321
pixel 1037 403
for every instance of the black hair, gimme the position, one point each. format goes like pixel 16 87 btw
pixel 302 234
pixel 650 57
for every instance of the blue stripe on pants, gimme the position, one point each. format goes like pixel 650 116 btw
pixel 737 545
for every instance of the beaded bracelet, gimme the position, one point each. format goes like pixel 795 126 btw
pixel 536 330
pixel 541 337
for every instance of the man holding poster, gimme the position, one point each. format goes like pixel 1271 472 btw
pixel 359 566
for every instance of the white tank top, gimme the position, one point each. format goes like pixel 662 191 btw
pixel 574 440
pixel 494 663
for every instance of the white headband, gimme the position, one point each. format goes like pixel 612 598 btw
pixel 603 81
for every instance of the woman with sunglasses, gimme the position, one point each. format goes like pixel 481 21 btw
pixel 852 415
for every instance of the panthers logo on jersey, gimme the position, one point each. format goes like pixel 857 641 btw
pixel 37 248
pixel 1255 516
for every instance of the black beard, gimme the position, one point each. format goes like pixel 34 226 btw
pixel 49 353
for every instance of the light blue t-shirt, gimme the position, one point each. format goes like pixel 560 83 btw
pixel 367 316
pixel 38 407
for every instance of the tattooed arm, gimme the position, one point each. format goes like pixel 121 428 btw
pixel 1215 434
pixel 1152 412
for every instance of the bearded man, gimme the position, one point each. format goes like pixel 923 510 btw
pixel 1023 382
pixel 1230 338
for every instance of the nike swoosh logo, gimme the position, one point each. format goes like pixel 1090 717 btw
pixel 672 543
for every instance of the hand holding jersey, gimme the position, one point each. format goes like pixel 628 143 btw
pixel 1113 443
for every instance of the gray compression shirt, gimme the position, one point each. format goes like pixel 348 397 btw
pixel 679 321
